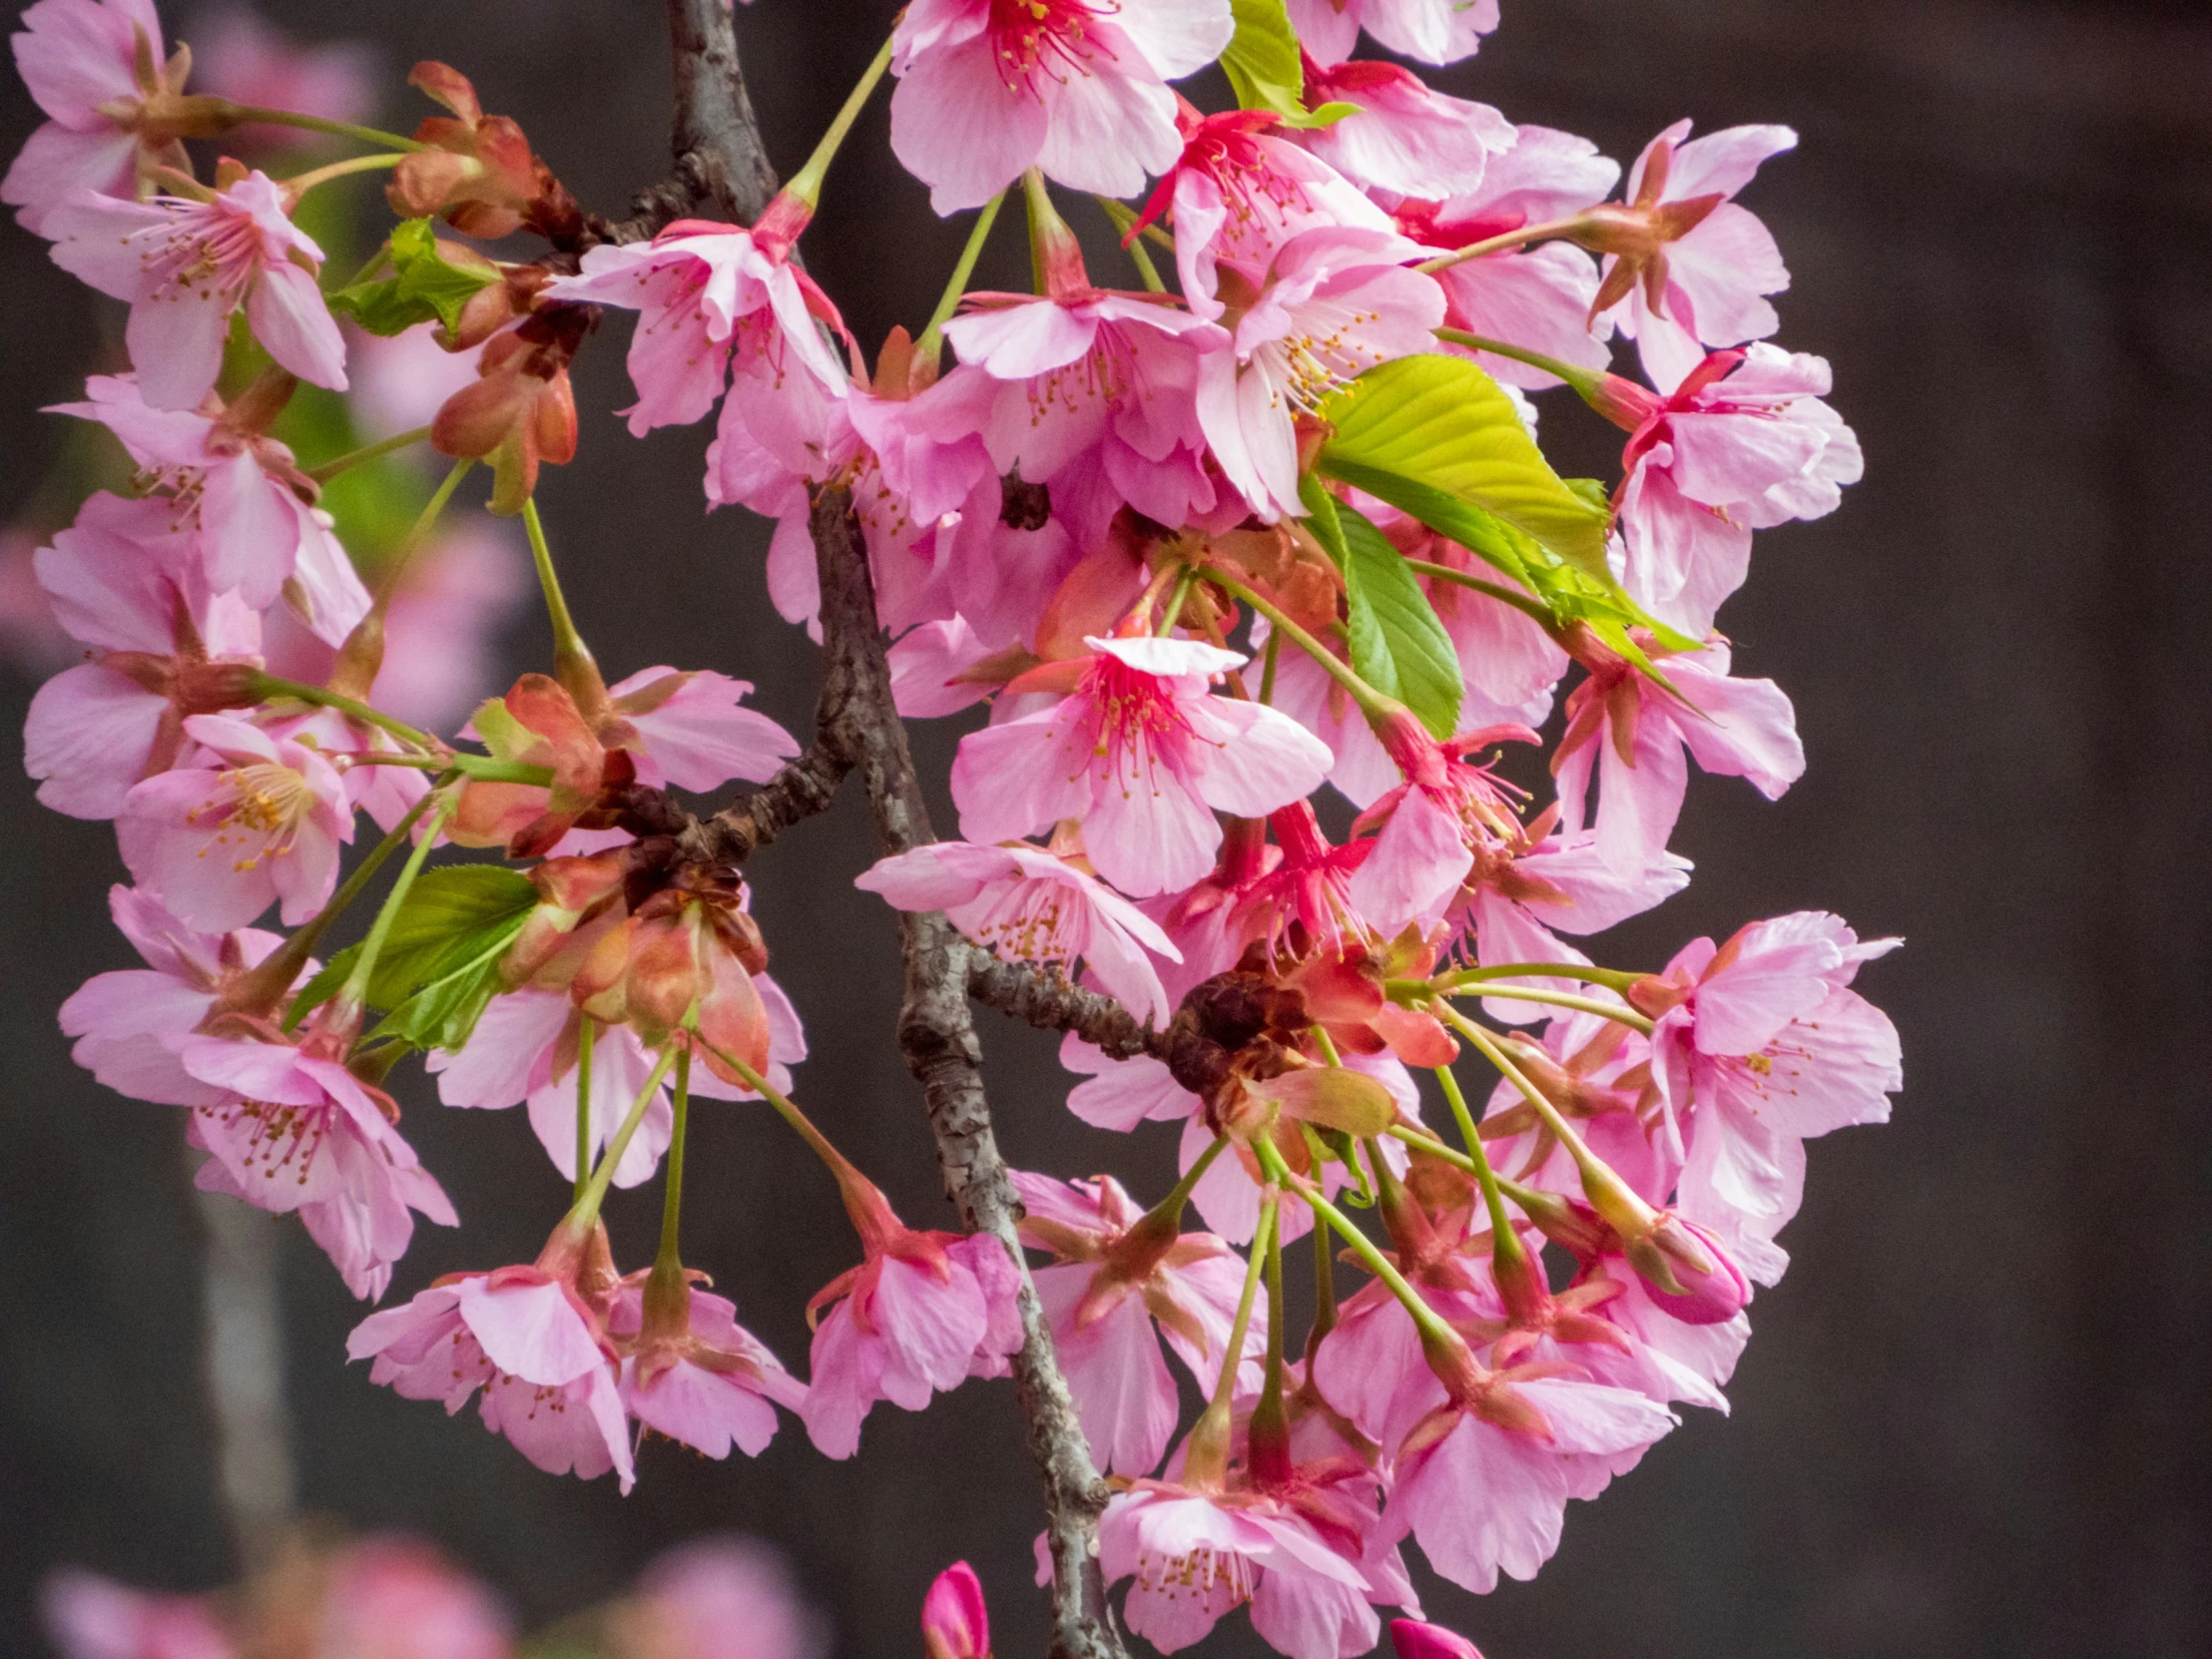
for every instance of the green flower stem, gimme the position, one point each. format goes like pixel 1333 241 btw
pixel 255 113
pixel 1613 979
pixel 267 687
pixel 1123 216
pixel 806 184
pixel 274 978
pixel 839 1165
pixel 1504 595
pixel 585 1210
pixel 299 184
pixel 1206 1453
pixel 1327 1046
pixel 1176 600
pixel 1485 1176
pixel 1423 1317
pixel 1584 380
pixel 1168 1212
pixel 1372 703
pixel 669 1258
pixel 1267 665
pixel 1270 1426
pixel 573 662
pixel 1594 1170
pixel 1550 231
pixel 1325 1296
pixel 482 768
pixel 368 452
pixel 930 347
pixel 1617 1011
pixel 584 1037
pixel 355 992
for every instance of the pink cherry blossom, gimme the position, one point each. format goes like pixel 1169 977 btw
pixel 1111 1283
pixel 1240 191
pixel 1743 442
pixel 718 1597
pixel 709 1383
pixel 922 1312
pixel 1714 277
pixel 529 1340
pixel 1029 905
pixel 91 1617
pixel 526 1047
pixel 1632 734
pixel 1194 1557
pixel 690 731
pixel 710 296
pixel 955 1622
pixel 131 1024
pixel 1142 756
pixel 1333 305
pixel 1433 30
pixel 81 61
pixel 296 1131
pixel 1483 1487
pixel 397 1595
pixel 1412 1639
pixel 165 647
pixel 1767 1047
pixel 1536 297
pixel 186 266
pixel 250 819
pixel 1407 138
pixel 242 492
pixel 1078 88
pixel 243 58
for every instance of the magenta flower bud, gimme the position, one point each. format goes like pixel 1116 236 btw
pixel 1713 1290
pixel 1415 1640
pixel 954 1624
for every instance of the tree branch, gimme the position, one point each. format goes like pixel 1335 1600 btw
pixel 716 140
pixel 938 1036
pixel 1052 1004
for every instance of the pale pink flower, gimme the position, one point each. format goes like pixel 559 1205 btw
pixel 81 60
pixel 1096 400
pixel 725 1597
pixel 1632 734
pixel 123 583
pixel 1110 1285
pixel 1239 192
pixel 955 1622
pixel 185 266
pixel 691 732
pixel 1536 297
pixel 254 819
pixel 396 1598
pixel 1764 1047
pixel 1194 1557
pixel 1714 277
pixel 710 1385
pixel 711 296
pixel 91 1617
pixel 1433 30
pixel 1031 906
pixel 1668 1359
pixel 528 1338
pixel 30 639
pixel 1483 1486
pixel 1142 756
pixel 1078 88
pixel 1335 303
pixel 259 530
pixel 1407 138
pixel 525 1048
pixel 132 1023
pixel 243 58
pixel 296 1131
pixel 921 1314
pixel 1742 442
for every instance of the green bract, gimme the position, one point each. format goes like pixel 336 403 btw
pixel 1264 70
pixel 431 284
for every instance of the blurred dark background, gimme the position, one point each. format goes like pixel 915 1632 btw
pixel 1975 1415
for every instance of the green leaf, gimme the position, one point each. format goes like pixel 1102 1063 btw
pixel 431 283
pixel 1264 70
pixel 1442 422
pixel 440 962
pixel 1397 644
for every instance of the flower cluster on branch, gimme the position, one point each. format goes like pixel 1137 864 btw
pixel 1327 724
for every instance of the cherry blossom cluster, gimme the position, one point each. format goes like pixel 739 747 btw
pixel 321 1597
pixel 1316 723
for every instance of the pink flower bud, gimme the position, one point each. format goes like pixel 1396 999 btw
pixel 1714 1289
pixel 1415 1640
pixel 954 1624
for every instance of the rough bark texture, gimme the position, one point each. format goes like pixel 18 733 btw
pixel 721 166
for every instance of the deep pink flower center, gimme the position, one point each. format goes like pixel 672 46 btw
pixel 1049 38
pixel 203 251
pixel 1137 716
pixel 256 809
